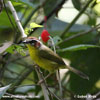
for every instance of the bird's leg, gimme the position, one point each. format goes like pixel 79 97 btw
pixel 41 81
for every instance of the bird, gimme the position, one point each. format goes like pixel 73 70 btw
pixel 47 59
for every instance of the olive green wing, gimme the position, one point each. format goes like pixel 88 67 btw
pixel 48 54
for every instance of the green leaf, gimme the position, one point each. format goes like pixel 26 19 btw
pixel 77 4
pixel 10 49
pixel 24 2
pixel 89 63
pixel 26 31
pixel 3 90
pixel 27 2
pixel 34 25
pixel 78 47
pixel 20 50
pixel 56 39
pixel 48 8
pixel 4 21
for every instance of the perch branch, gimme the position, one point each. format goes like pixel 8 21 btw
pixel 45 92
pixel 45 87
pixel 16 19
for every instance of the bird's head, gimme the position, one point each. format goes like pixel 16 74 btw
pixel 32 42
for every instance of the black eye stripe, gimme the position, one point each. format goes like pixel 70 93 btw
pixel 31 41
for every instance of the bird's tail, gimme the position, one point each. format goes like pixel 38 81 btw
pixel 81 74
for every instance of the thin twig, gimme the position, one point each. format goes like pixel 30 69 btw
pixel 1 6
pixel 52 94
pixel 21 78
pixel 57 72
pixel 50 14
pixel 68 91
pixel 16 19
pixel 24 13
pixel 26 65
pixel 13 26
pixel 4 65
pixel 32 13
pixel 59 82
pixel 44 79
pixel 18 74
pixel 76 18
pixel 44 89
pixel 79 34
pixel 55 95
pixel 29 17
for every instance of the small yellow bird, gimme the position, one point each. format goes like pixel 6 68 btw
pixel 46 58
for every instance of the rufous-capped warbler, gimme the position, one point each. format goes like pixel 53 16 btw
pixel 46 58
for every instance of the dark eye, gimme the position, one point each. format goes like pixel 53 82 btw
pixel 32 44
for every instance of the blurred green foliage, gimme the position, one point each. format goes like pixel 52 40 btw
pixel 83 51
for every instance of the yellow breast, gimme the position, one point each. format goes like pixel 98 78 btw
pixel 44 63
